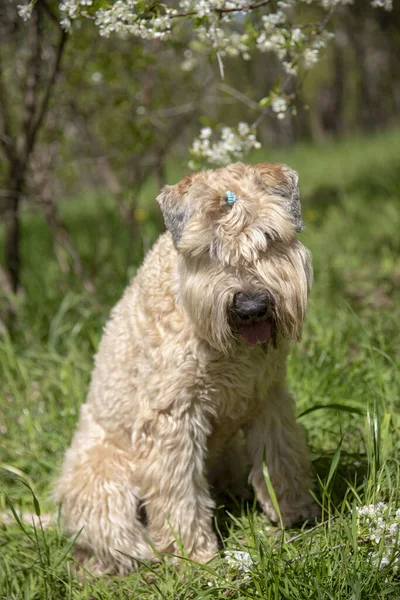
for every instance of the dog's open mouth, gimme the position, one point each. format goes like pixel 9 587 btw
pixel 256 332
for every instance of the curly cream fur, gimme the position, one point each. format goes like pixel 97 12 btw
pixel 175 388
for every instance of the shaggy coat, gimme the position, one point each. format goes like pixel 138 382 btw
pixel 186 392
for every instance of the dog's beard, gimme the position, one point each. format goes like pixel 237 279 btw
pixel 207 289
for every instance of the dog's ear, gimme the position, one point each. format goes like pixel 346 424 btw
pixel 283 181
pixel 175 207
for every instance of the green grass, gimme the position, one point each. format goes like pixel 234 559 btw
pixel 344 374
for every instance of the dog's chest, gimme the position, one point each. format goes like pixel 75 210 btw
pixel 239 385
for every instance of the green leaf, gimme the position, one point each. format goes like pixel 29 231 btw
pixel 271 491
pixel 264 102
pixel 335 463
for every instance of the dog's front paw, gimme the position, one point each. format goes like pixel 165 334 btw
pixel 294 512
pixel 205 553
pixel 301 511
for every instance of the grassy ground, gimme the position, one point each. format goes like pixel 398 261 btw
pixel 345 376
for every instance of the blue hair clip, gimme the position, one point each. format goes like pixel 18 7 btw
pixel 230 197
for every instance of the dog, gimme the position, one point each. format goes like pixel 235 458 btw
pixel 188 388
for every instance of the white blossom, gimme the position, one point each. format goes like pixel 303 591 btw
pixel 25 11
pixel 69 9
pixel 327 4
pixel 386 4
pixel 279 105
pixel 204 8
pixel 273 19
pixel 190 61
pixel 233 145
pixel 290 68
pixel 66 24
pixel 205 133
pixel 298 35
pixel 226 43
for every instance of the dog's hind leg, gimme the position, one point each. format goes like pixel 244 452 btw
pixel 274 436
pixel 100 505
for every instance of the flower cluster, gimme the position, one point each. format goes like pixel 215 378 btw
pixel 290 44
pixel 279 105
pixel 123 19
pixel 239 560
pixel 225 42
pixel 233 145
pixel 150 20
pixel 205 8
pixel 380 525
pixel 223 28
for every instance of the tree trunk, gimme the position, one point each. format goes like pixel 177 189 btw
pixel 12 226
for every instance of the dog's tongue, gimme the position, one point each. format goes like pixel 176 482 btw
pixel 256 332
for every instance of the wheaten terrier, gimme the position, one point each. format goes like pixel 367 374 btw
pixel 192 361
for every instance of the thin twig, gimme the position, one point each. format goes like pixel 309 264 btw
pixel 33 68
pixel 50 83
pixel 246 8
pixel 224 87
pixel 6 138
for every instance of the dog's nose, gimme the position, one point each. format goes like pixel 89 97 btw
pixel 250 306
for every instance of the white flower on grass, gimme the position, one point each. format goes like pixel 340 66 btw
pixel 97 77
pixel 379 524
pixel 239 560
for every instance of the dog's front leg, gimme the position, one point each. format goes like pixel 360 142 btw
pixel 175 490
pixel 274 436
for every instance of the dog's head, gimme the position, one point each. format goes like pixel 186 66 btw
pixel 243 274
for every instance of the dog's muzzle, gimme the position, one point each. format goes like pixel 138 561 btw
pixel 250 311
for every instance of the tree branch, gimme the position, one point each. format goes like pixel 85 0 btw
pixel 47 93
pixel 51 14
pixel 31 86
pixel 6 138
pixel 246 8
